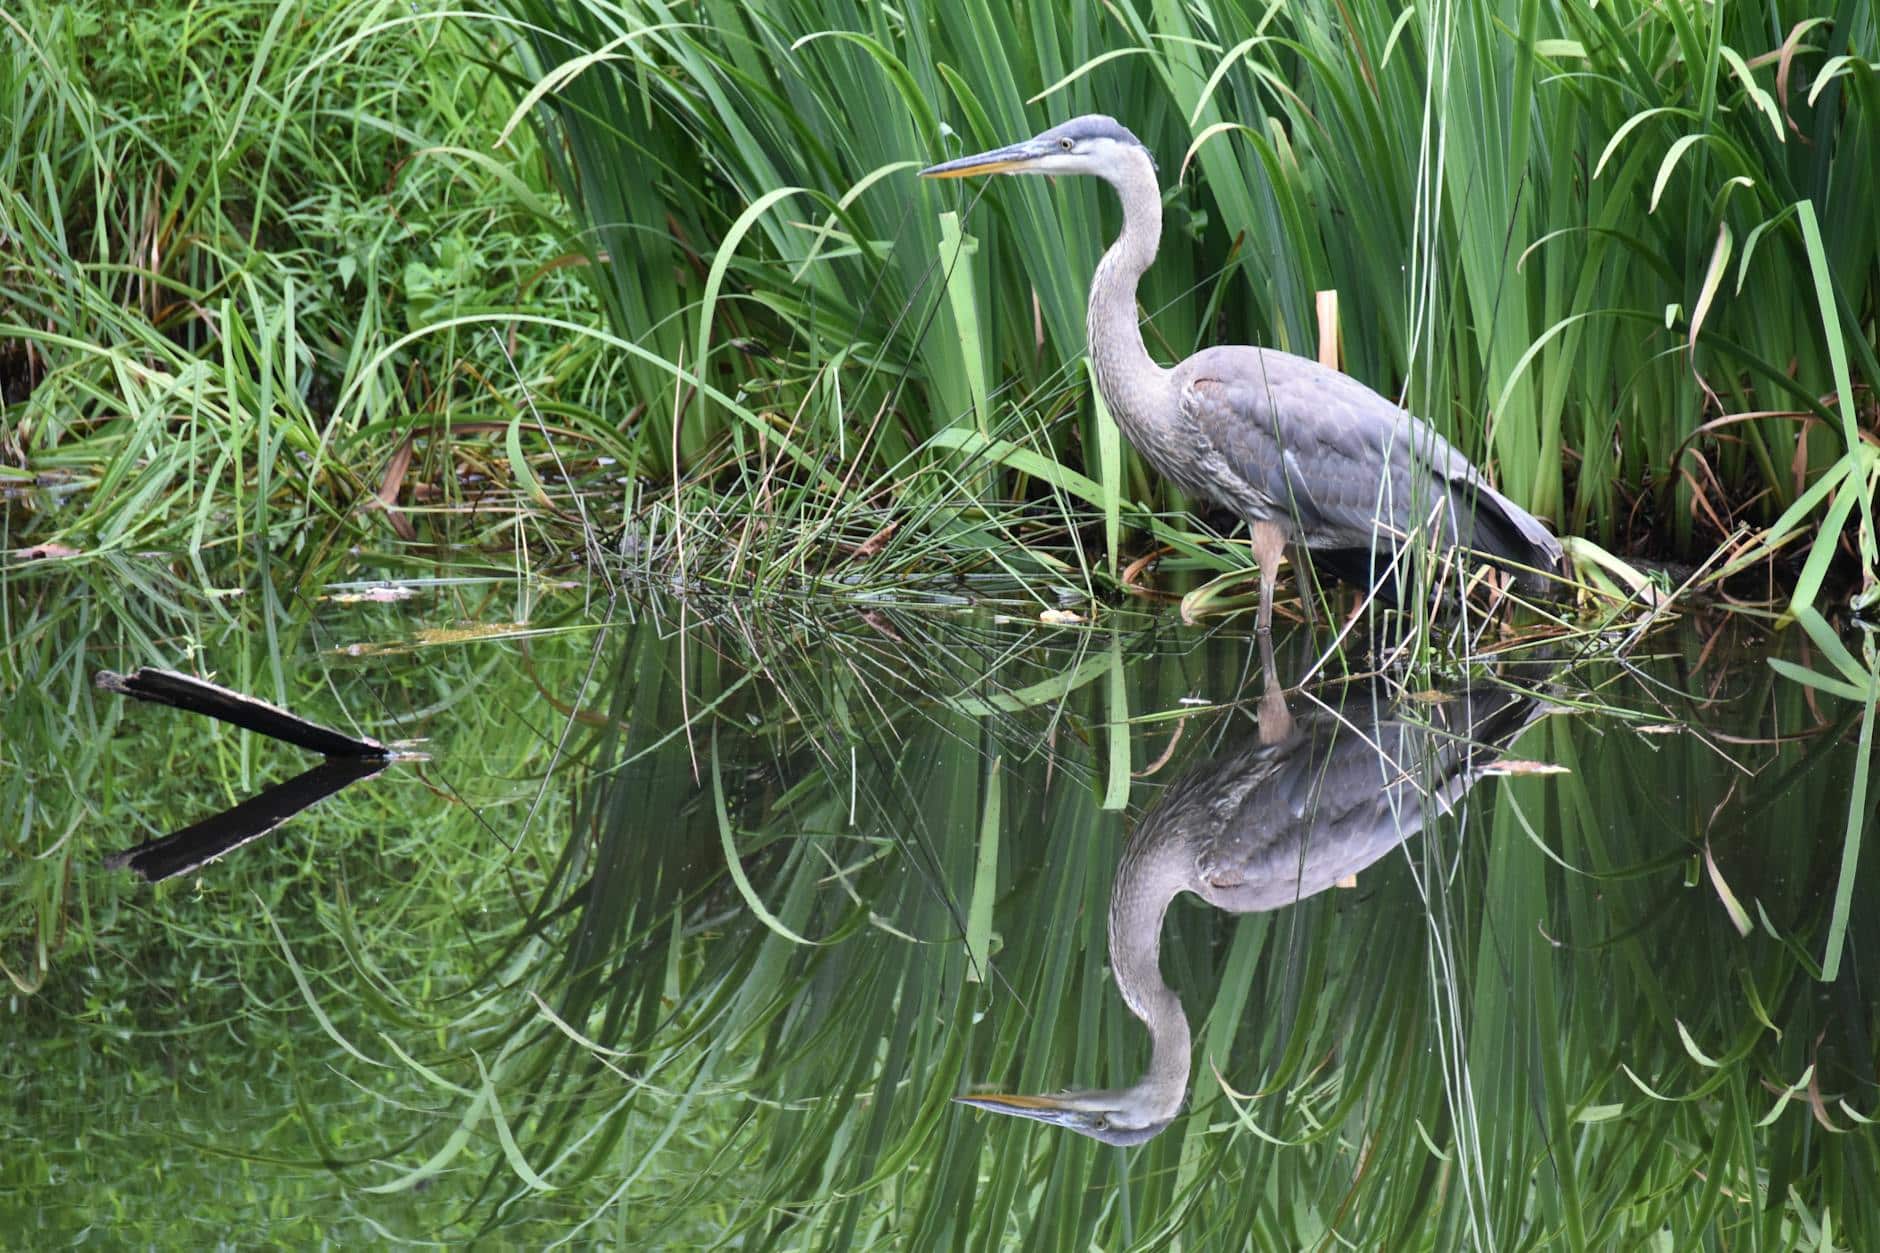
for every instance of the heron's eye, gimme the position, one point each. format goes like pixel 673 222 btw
pixel 1067 143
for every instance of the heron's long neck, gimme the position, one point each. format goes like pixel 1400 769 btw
pixel 1152 873
pixel 1133 385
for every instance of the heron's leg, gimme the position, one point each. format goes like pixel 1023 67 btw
pixel 1268 541
pixel 1276 723
pixel 1308 586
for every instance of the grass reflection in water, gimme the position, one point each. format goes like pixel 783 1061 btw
pixel 1536 1023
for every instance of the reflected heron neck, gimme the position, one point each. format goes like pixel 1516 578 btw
pixel 1153 871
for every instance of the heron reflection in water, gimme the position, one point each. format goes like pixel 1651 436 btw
pixel 1310 457
pixel 1277 817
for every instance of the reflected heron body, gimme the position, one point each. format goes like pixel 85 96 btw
pixel 1270 821
pixel 1309 456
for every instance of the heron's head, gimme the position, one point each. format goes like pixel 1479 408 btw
pixel 1092 144
pixel 1121 1118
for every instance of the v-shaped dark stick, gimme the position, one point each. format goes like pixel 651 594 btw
pixel 348 760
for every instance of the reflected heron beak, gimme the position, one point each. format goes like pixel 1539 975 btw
pixel 1051 1109
pixel 1011 159
pixel 1090 1114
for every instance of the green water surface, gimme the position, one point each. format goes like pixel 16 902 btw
pixel 697 918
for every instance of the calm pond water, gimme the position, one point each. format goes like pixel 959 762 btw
pixel 694 924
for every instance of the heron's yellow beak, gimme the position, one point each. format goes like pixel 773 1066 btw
pixel 1011 1102
pixel 1010 159
pixel 983 167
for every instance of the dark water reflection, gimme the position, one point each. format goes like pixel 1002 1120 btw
pixel 783 887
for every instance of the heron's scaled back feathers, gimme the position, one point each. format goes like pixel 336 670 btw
pixel 1282 435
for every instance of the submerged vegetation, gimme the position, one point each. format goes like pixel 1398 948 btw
pixel 708 906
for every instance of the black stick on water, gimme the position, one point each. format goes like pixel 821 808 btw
pixel 348 760
pixel 200 843
pixel 198 696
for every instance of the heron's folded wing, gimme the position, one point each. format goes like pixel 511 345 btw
pixel 1320 446
pixel 1340 459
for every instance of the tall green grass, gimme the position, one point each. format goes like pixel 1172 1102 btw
pixel 266 271
pixel 217 220
pixel 1618 251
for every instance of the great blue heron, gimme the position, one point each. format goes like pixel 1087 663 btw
pixel 1308 456
pixel 1268 822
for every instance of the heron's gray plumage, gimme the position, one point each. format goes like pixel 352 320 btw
pixel 1093 126
pixel 1285 435
pixel 1265 825
pixel 1309 456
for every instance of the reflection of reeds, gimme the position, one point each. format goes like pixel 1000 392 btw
pixel 1497 1001
pixel 1459 1053
pixel 164 1041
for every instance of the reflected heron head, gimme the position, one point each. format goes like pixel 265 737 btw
pixel 1120 1117
pixel 1092 144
